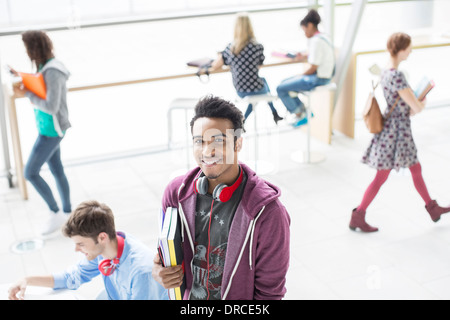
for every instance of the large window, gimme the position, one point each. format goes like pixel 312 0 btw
pixel 121 119
pixel 72 13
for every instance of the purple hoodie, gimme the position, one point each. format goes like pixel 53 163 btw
pixel 257 257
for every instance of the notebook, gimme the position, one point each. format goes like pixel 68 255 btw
pixel 170 246
pixel 423 88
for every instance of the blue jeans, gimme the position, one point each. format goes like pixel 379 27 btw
pixel 264 90
pixel 298 84
pixel 46 149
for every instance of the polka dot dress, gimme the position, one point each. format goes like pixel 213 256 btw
pixel 244 66
pixel 393 147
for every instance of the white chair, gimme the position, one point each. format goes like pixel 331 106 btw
pixel 307 156
pixel 260 166
pixel 186 104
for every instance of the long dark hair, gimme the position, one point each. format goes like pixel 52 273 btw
pixel 39 47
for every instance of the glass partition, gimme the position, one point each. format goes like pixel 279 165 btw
pixel 73 13
pixel 127 118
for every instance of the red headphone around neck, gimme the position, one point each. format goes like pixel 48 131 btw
pixel 221 192
pixel 108 266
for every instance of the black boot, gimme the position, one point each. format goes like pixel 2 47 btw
pixel 276 117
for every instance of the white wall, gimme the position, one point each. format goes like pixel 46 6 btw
pixel 31 12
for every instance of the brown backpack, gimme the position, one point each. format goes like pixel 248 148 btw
pixel 372 114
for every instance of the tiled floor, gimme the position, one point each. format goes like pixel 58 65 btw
pixel 409 258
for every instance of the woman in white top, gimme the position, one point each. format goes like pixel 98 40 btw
pixel 321 68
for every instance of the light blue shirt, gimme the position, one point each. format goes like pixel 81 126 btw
pixel 132 279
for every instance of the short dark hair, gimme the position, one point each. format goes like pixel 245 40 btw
pixel 89 219
pixel 313 17
pixel 215 107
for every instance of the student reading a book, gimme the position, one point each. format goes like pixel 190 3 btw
pixel 394 147
pixel 320 58
pixel 236 231
pixel 123 261
pixel 245 56
pixel 52 121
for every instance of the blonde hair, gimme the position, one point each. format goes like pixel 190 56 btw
pixel 243 33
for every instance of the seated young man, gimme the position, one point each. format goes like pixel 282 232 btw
pixel 124 262
pixel 236 231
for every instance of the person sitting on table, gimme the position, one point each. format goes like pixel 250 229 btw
pixel 321 68
pixel 236 230
pixel 124 262
pixel 245 56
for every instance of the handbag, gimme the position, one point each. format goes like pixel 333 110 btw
pixel 203 65
pixel 372 114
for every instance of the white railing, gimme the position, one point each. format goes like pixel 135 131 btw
pixel 13 118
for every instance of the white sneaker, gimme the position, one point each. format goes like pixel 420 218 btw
pixel 294 118
pixel 54 222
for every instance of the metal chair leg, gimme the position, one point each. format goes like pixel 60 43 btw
pixel 308 157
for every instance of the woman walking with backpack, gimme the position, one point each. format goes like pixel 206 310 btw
pixel 394 147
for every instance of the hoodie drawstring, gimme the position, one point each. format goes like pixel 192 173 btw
pixel 251 238
pixel 250 233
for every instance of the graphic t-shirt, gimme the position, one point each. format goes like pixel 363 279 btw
pixel 221 219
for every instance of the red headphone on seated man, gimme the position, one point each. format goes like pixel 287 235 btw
pixel 108 266
pixel 221 192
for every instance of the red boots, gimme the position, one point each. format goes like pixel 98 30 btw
pixel 359 221
pixel 435 210
pixel 359 217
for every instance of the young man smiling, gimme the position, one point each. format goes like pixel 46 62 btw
pixel 236 231
pixel 124 262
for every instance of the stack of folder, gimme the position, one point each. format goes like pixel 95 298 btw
pixel 170 246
